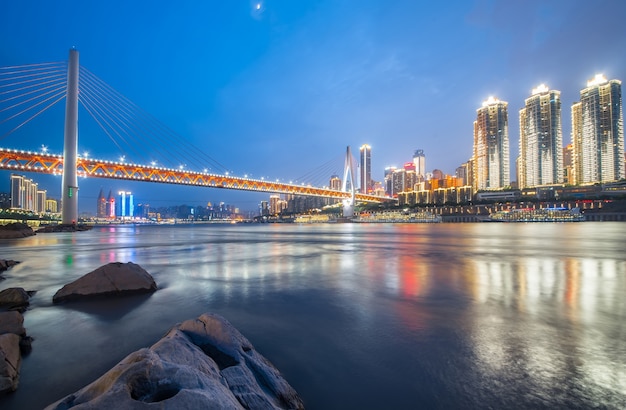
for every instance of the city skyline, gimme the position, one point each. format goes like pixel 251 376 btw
pixel 395 76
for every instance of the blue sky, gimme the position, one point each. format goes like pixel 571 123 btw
pixel 280 89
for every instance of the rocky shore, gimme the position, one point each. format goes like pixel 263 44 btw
pixel 15 230
pixel 200 363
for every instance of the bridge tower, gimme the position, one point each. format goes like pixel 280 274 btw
pixel 69 189
pixel 348 204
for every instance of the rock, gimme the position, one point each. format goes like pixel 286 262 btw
pixel 12 322
pixel 10 362
pixel 112 279
pixel 6 264
pixel 64 228
pixel 12 298
pixel 15 230
pixel 200 363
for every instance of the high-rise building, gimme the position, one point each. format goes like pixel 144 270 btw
pixel 568 164
pixel 366 168
pixel 335 183
pixel 24 194
pixel 126 205
pixel 388 180
pixel 491 146
pixel 101 205
pixel 110 210
pixel 541 139
pixel 419 159
pixel 598 132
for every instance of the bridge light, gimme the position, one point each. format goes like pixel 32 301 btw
pixel 122 158
pixel 44 149
pixel 86 154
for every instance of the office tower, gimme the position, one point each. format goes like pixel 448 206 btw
pixel 419 159
pixel 126 205
pixel 101 205
pixel 541 139
pixel 598 133
pixel 366 169
pixel 491 146
pixel 335 183
pixel 388 180
pixel 24 193
pixel 274 204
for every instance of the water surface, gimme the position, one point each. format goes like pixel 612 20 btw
pixel 354 316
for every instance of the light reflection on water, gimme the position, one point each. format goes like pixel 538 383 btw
pixel 355 316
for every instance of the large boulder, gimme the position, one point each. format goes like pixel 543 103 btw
pixel 14 298
pixel 15 230
pixel 112 279
pixel 200 363
pixel 10 361
pixel 12 322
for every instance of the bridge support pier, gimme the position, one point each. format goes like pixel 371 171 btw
pixel 69 189
pixel 348 204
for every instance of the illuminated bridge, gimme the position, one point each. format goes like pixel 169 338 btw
pixel 27 91
pixel 41 162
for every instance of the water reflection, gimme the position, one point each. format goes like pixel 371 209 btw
pixel 367 316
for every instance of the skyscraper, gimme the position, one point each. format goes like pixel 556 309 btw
pixel 101 205
pixel 419 159
pixel 541 139
pixel 335 183
pixel 491 146
pixel 598 132
pixel 366 168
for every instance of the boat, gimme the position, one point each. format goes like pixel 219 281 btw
pixel 537 215
pixel 397 217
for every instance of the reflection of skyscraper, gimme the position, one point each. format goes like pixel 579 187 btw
pixel 366 169
pixel 419 159
pixel 598 133
pixel 491 146
pixel 541 139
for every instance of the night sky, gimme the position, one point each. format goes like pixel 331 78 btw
pixel 278 88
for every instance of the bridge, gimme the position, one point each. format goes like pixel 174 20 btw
pixel 47 163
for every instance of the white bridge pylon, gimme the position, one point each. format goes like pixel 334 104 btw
pixel 348 203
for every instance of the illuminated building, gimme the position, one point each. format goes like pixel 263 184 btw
pixel 40 203
pixel 126 207
pixel 24 194
pixel 541 139
pixel 491 146
pixel 275 204
pixel 419 159
pixel 388 180
pixel 568 164
pixel 110 209
pixel 366 169
pixel 101 206
pixel 335 183
pixel 598 133
pixel 52 206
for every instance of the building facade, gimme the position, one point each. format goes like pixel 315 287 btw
pixel 491 146
pixel 541 139
pixel 366 169
pixel 598 132
pixel 26 195
pixel 419 159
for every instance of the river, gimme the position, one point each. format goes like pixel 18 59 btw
pixel 367 316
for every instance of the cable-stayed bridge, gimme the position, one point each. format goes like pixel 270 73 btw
pixel 30 90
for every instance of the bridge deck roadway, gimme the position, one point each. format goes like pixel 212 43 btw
pixel 39 162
